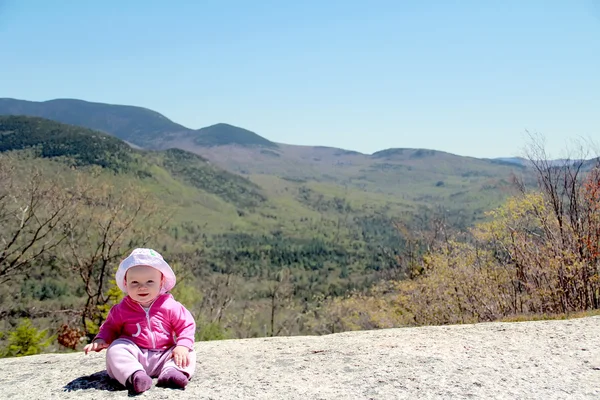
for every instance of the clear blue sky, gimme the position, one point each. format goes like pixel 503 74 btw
pixel 467 77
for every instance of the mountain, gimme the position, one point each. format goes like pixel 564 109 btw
pixel 225 134
pixel 327 215
pixel 257 249
pixel 206 198
pixel 51 139
pixel 223 225
pixel 319 194
pixel 229 146
pixel 333 238
pixel 136 125
pixel 511 160
pixel 416 177
pixel 82 147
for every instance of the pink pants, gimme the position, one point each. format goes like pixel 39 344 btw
pixel 123 358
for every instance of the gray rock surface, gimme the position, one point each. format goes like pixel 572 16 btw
pixel 525 360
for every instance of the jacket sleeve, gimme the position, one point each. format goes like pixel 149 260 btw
pixel 184 326
pixel 111 327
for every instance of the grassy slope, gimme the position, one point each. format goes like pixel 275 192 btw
pixel 410 178
pixel 202 193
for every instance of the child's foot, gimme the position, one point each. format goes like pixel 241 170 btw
pixel 139 382
pixel 172 378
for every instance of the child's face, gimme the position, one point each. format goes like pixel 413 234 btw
pixel 143 284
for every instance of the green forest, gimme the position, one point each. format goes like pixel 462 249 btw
pixel 264 255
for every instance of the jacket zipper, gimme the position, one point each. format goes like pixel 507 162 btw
pixel 149 326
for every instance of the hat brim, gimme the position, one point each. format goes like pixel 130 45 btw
pixel 142 259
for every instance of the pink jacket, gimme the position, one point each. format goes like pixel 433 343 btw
pixel 166 323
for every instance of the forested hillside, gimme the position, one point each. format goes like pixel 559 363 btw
pixel 264 255
pixel 242 248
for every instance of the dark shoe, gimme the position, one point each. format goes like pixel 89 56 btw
pixel 172 378
pixel 139 382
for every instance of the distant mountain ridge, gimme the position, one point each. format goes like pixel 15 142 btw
pixel 144 128
pixel 52 139
pixel 560 162
pixel 149 129
pixel 80 147
pixel 405 172
pixel 137 125
pixel 225 134
pixel 412 177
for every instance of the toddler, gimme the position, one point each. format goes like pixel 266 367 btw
pixel 148 334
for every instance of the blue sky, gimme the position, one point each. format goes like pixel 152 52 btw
pixel 467 77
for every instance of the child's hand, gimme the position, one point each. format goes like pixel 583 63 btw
pixel 96 345
pixel 181 356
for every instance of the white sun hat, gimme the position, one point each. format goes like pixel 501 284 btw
pixel 150 258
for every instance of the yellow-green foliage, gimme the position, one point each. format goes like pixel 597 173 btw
pixel 114 295
pixel 551 272
pixel 460 284
pixel 26 340
pixel 522 263
pixel 376 309
pixel 206 331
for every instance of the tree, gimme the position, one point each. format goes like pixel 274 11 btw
pixel 537 253
pixel 34 206
pixel 279 293
pixel 571 228
pixel 358 310
pixel 219 292
pixel 109 222
pixel 26 340
pixel 591 217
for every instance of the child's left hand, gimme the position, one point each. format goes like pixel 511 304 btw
pixel 181 356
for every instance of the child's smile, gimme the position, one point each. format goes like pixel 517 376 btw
pixel 143 284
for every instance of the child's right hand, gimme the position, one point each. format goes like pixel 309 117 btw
pixel 96 345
